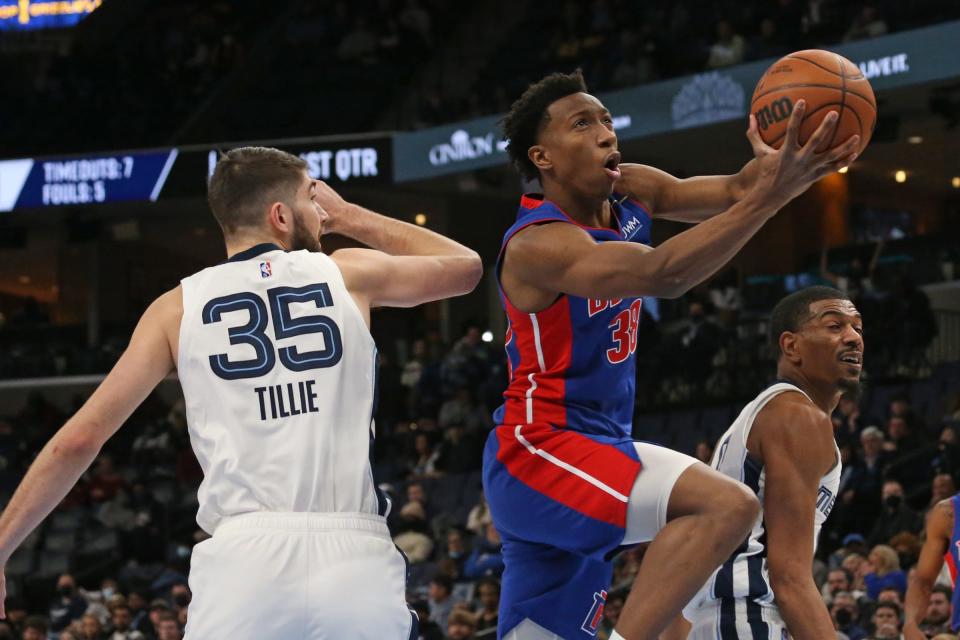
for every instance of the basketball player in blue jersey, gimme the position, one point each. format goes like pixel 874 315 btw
pixel 782 447
pixel 566 484
pixel 278 370
pixel 942 544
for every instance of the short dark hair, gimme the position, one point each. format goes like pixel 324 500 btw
pixel 888 605
pixel 246 180
pixel 846 573
pixel 528 115
pixel 444 581
pixel 944 589
pixel 37 623
pixel 794 310
pixel 490 582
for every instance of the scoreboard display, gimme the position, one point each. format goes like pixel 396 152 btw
pixel 23 15
pixel 29 183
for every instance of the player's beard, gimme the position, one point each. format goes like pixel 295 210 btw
pixel 853 389
pixel 302 239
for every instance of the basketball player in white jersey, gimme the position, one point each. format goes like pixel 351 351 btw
pixel 278 370
pixel 782 447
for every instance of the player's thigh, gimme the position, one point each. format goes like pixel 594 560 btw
pixel 647 510
pixel 247 584
pixel 530 630
pixel 357 589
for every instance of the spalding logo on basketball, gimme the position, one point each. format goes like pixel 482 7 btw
pixel 828 82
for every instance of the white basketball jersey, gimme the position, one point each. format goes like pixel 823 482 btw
pixel 278 371
pixel 745 575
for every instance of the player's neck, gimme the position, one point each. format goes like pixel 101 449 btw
pixel 239 242
pixel 826 397
pixel 587 210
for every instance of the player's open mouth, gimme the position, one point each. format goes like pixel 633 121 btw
pixel 852 358
pixel 612 165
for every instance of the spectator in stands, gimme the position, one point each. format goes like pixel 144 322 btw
pixel 891 594
pixel 838 580
pixel 460 450
pixel 942 487
pixel 886 621
pixel 463 410
pixel 168 629
pixel 848 421
pixel 16 613
pixel 137 601
pixel 896 516
pixel 487 556
pixel 159 610
pixel 479 517
pixel 91 628
pixel 426 627
pixel 729 47
pixel 425 455
pixel 106 481
pixel 411 535
pixel 885 571
pixel 456 549
pixel 123 625
pixel 488 595
pixel 461 625
pixel 939 611
pixel 440 599
pixel 868 24
pixel 35 628
pixel 68 606
pixel 947 457
pixel 696 343
pixel 845 614
pixel 767 44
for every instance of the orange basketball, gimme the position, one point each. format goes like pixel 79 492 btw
pixel 828 82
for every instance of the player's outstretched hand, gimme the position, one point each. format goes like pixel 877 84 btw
pixel 787 172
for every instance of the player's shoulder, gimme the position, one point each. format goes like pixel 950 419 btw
pixel 169 303
pixel 791 420
pixel 547 237
pixel 943 511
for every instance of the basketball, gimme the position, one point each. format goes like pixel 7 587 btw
pixel 827 82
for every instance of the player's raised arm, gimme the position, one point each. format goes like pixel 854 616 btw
pixel 938 529
pixel 146 361
pixel 693 199
pixel 566 260
pixel 796 443
pixel 409 265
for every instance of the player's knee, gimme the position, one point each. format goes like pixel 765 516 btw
pixel 736 505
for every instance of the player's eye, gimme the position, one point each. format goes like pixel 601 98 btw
pixel 580 122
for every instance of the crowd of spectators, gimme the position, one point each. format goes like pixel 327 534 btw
pixel 112 561
pixel 619 43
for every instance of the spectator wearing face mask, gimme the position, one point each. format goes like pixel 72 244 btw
pixel 895 517
pixel 68 606
pixel 845 614
pixel 180 595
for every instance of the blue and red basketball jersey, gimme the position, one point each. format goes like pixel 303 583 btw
pixel 572 365
pixel 952 559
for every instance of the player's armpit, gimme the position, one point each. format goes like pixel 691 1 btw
pixel 384 280
pixel 795 441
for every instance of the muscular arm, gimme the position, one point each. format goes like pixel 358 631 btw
pixel 409 265
pixel 685 200
pixel 147 360
pixel 795 441
pixel 562 258
pixel 939 526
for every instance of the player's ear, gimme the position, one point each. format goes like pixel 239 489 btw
pixel 539 157
pixel 280 217
pixel 790 346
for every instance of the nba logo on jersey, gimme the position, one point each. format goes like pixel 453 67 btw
pixel 265 270
pixel 592 622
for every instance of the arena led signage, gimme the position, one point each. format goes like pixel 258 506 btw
pixel 898 60
pixel 28 183
pixel 22 15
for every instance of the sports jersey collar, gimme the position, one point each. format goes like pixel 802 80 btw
pixel 254 251
pixel 531 201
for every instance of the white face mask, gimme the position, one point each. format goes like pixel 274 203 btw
pixel 108 592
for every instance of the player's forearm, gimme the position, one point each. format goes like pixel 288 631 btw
pixel 396 237
pixel 54 472
pixel 802 608
pixel 915 604
pixel 689 258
